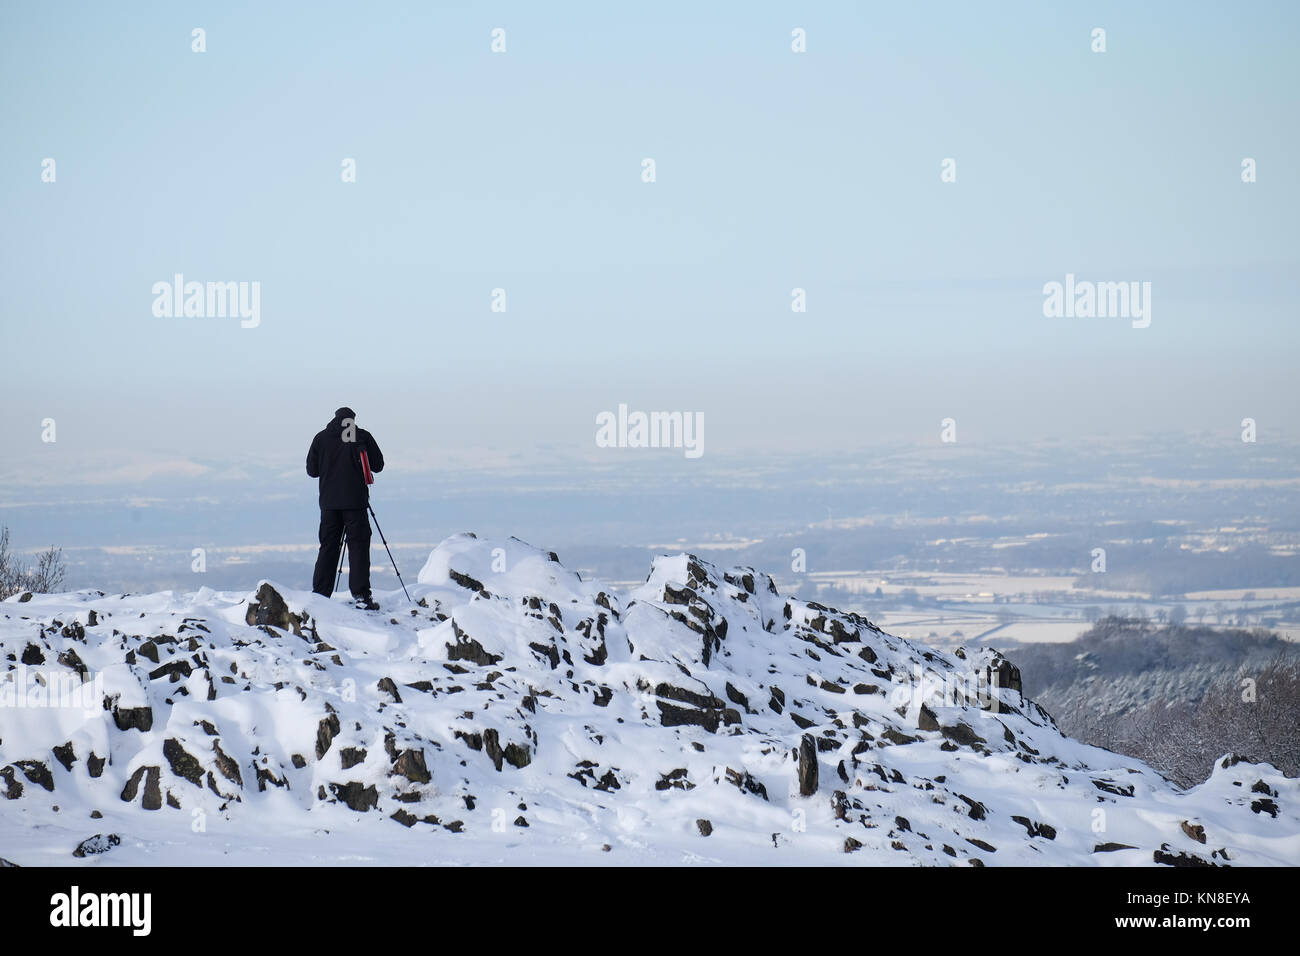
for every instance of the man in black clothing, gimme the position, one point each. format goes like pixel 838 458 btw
pixel 335 458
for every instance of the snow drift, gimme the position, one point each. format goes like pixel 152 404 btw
pixel 523 714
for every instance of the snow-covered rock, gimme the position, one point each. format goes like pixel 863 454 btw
pixel 522 714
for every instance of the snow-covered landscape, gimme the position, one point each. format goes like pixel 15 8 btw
pixel 521 713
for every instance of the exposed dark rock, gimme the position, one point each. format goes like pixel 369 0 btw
pixel 1166 856
pixel 99 843
pixel 896 737
pixel 266 775
pixel 356 796
pixel 1002 673
pixel 349 757
pixel 1117 790
pixel 702 710
pixel 228 766
pixel 410 764
pixel 807 766
pixel 841 634
pixel 1111 847
pixel 1264 806
pixel 464 580
pixel 518 755
pixel 70 658
pixel 674 780
pixel 468 649
pixel 13 787
pixel 746 783
pixel 840 805
pixel 37 772
pixel 736 697
pixel 926 720
pixel 137 718
pixel 1194 830
pixel 65 755
pixel 183 764
pixel 1036 829
pixel 269 609
pixel 326 731
pixel 492 747
pixel 174 670
pixel 386 686
pixel 962 735
pixel 152 799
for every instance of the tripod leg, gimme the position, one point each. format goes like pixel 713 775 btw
pixel 390 552
pixel 343 550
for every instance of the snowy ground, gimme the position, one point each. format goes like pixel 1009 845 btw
pixel 521 714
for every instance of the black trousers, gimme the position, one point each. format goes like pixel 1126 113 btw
pixel 333 524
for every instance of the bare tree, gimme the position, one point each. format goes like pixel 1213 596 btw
pixel 1252 712
pixel 15 577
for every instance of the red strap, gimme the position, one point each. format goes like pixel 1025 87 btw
pixel 365 468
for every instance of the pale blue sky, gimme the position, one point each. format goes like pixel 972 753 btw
pixel 522 171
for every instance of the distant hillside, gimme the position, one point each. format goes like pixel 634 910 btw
pixel 1171 695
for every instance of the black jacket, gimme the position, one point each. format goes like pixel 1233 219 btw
pixel 337 463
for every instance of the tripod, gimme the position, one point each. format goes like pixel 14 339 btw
pixel 343 550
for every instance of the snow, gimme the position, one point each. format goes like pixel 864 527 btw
pixel 609 724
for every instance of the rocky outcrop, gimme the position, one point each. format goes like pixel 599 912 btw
pixel 269 609
pixel 516 696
